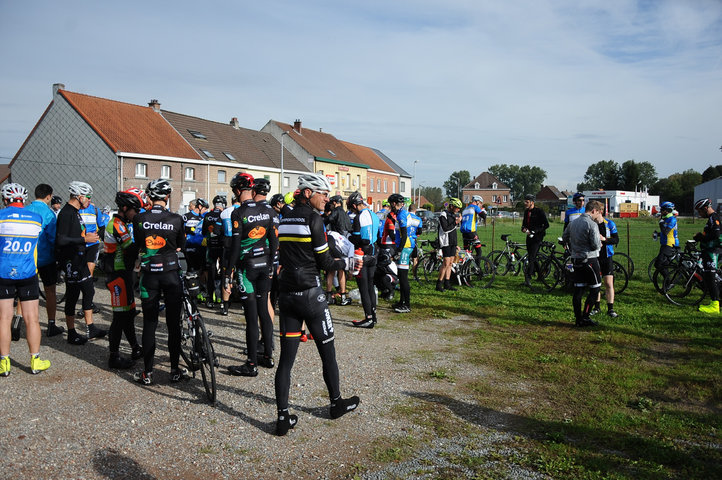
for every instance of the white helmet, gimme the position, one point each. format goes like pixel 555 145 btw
pixel 14 191
pixel 314 181
pixel 80 188
pixel 477 198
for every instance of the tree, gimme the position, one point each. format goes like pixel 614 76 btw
pixel 601 175
pixel 711 173
pixel 456 182
pixel 433 195
pixel 678 188
pixel 520 179
pixel 633 175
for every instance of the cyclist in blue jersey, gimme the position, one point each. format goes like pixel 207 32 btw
pixel 195 251
pixel 47 269
pixel 227 238
pixel 669 243
pixel 415 231
pixel 577 210
pixel 94 223
pixel 405 242
pixel 469 218
pixel 19 233
pixel 609 237
pixel 364 234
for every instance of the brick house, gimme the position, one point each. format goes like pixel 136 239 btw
pixel 551 196
pixel 490 188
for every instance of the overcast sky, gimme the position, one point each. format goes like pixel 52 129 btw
pixel 452 84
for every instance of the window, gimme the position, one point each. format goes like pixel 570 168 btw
pixel 386 186
pixel 331 152
pixel 476 186
pixel 466 198
pixel 221 176
pixel 393 186
pixel 357 181
pixel 165 171
pixel 207 153
pixel 371 184
pixel 197 134
pixel 494 185
pixel 190 173
pixel 347 182
pixel 229 156
pixel 505 198
pixel 286 182
pixel 378 185
pixel 402 186
pixel 140 170
pixel 493 198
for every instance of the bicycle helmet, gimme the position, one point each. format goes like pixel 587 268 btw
pixel 667 206
pixel 396 198
pixel 242 181
pixel 288 198
pixel 144 201
pixel 314 181
pixel 129 198
pixel 56 200
pixel 220 200
pixel 336 199
pixel 276 199
pixel 477 198
pixel 354 199
pixel 384 203
pixel 14 191
pixel 261 186
pixel 455 202
pixel 701 204
pixel 577 196
pixel 158 189
pixel 529 197
pixel 77 189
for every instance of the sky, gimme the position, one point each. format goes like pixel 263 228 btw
pixel 437 85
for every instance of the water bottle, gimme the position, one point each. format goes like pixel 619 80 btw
pixel 358 256
pixel 513 257
pixel 655 236
pixel 569 266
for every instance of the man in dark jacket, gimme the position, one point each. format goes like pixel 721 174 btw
pixel 534 225
pixel 337 220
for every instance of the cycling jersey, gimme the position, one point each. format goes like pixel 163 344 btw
pixel 93 221
pixel 19 233
pixel 388 236
pixel 46 243
pixel 304 250
pixel 668 227
pixel 447 229
pixel 414 226
pixel 572 214
pixel 381 215
pixel 469 218
pixel 159 234
pixel 365 231
pixel 212 229
pixel 193 227
pixel 403 239
pixel 70 244
pixel 609 230
pixel 710 241
pixel 119 246
pixel 255 238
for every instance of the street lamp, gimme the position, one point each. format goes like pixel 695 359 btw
pixel 280 187
pixel 413 182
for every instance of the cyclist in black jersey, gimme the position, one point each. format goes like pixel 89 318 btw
pixel 212 230
pixel 70 240
pixel 303 251
pixel 253 248
pixel 160 236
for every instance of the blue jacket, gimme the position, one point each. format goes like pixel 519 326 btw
pixel 46 244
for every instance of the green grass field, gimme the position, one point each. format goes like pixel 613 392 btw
pixel 637 397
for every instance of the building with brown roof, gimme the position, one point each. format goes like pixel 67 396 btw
pixel 490 188
pixel 551 196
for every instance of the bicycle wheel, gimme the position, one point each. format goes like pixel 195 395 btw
pixel 501 261
pixel 485 273
pixel 621 278
pixel 626 261
pixel 188 338
pixel 684 287
pixel 658 279
pixel 551 274
pixel 207 358
pixel 429 267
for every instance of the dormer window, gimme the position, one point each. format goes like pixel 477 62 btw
pixel 331 152
pixel 494 185
pixel 207 153
pixel 197 134
pixel 476 186
pixel 229 156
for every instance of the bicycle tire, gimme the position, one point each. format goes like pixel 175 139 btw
pixel 501 261
pixel 188 338
pixel 431 265
pixel 621 277
pixel 627 263
pixel 684 287
pixel 206 355
pixel 551 273
pixel 658 280
pixel 486 272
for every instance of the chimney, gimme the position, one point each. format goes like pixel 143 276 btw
pixel 234 123
pixel 155 105
pixel 297 125
pixel 58 86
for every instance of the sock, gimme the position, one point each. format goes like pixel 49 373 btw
pixel 34 355
pixel 610 307
pixel 596 306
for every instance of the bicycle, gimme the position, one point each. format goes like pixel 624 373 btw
pixel 626 259
pixel 507 259
pixel 469 269
pixel 196 347
pixel 683 283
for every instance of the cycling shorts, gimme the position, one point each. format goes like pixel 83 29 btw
pixel 606 265
pixel 48 274
pixel 448 251
pixel 587 273
pixel 25 289
pixel 471 240
pixel 92 252
pixel 405 258
pixel 415 252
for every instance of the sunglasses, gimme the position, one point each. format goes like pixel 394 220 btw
pixel 323 194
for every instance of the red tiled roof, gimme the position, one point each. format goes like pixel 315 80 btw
pixel 369 157
pixel 485 181
pixel 318 144
pixel 130 128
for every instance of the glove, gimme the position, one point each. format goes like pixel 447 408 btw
pixel 699 236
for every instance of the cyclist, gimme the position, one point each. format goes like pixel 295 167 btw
pixel 574 212
pixel 95 221
pixel 709 240
pixel 46 253
pixel 337 221
pixel 56 203
pixel 668 241
pixel 160 236
pixel 289 201
pixel 534 225
pixel 405 243
pixel 121 253
pixel 469 218
pixel 70 244
pixel 584 242
pixel 304 251
pixel 193 221
pixel 381 214
pixel 364 235
pixel 609 237
pixel 19 233
pixel 261 188
pixel 448 223
pixel 212 230
pixel 415 230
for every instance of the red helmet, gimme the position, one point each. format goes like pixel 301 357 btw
pixel 242 181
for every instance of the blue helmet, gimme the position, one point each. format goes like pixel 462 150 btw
pixel 667 206
pixel 577 196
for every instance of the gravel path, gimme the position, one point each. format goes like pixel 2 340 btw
pixel 81 420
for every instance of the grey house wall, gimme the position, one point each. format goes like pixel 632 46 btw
pixel 711 189
pixel 64 148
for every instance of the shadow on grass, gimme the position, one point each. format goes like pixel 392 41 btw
pixel 613 452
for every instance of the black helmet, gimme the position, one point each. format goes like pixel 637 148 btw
pixel 56 200
pixel 201 202
pixel 354 199
pixel 262 186
pixel 396 198
pixel 276 199
pixel 220 199
pixel 242 181
pixel 530 197
pixel 336 199
pixel 702 204
pixel 158 189
pixel 129 199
